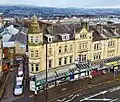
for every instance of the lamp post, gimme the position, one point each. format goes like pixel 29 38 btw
pixel 35 92
pixel 46 75
pixel 114 72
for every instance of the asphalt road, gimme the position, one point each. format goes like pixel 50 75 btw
pixel 107 92
pixel 8 94
pixel 98 83
pixel 104 95
pixel 74 90
pixel 25 97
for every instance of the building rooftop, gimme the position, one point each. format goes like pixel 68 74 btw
pixel 97 36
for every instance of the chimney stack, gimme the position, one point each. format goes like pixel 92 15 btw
pixel 99 28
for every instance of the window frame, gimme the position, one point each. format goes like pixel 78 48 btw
pixel 71 46
pixel 36 53
pixel 50 50
pixel 60 61
pixel 50 64
pixel 31 39
pixel 36 39
pixel 36 67
pixel 71 59
pixel 32 67
pixel 32 53
pixel 65 49
pixel 65 60
pixel 60 49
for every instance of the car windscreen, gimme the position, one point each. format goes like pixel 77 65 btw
pixel 18 86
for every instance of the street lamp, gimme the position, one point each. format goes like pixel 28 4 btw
pixel 46 75
pixel 115 70
pixel 35 85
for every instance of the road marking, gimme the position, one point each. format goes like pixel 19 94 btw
pixel 114 89
pixel 71 95
pixel 114 100
pixel 104 99
pixel 71 99
pixel 31 96
pixel 63 89
pixel 63 99
pixel 77 95
pixel 103 92
pixel 59 100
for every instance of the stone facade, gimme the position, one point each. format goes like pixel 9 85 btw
pixel 1 55
pixel 65 52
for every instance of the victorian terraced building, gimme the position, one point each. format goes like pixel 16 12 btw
pixel 64 45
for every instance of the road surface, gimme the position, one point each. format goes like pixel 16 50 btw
pixel 69 90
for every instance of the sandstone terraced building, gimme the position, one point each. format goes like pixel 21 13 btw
pixel 67 44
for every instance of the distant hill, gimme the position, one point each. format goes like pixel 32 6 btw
pixel 29 10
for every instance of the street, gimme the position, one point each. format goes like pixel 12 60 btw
pixel 75 90
pixel 83 89
pixel 108 95
pixel 8 94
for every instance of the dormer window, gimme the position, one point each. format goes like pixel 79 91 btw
pixel 31 39
pixel 83 36
pixel 49 39
pixel 36 39
pixel 65 37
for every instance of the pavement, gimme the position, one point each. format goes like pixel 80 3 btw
pixel 3 83
pixel 61 92
pixel 64 90
pixel 104 93
pixel 8 92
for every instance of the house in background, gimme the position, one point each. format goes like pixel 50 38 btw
pixel 8 54
pixel 1 20
pixel 1 72
pixel 14 43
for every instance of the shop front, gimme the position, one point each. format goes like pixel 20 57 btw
pixel 112 66
pixel 77 75
pixel 71 76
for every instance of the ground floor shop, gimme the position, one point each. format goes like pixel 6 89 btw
pixel 73 72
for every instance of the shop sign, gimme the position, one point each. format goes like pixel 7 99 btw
pixel 71 76
pixel 32 85
pixel 112 63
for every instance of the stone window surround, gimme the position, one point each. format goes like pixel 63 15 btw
pixel 97 56
pixel 33 67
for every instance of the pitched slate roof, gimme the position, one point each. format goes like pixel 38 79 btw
pixel 20 37
pixel 108 32
pixel 66 28
pixel 96 36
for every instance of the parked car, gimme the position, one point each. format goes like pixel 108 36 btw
pixel 19 58
pixel 19 82
pixel 18 90
pixel 19 77
pixel 20 72
pixel 20 69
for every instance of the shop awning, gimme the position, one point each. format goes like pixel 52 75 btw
pixel 61 72
pixel 54 74
pixel 113 59
pixel 98 63
pixel 112 63
pixel 102 68
pixel 83 66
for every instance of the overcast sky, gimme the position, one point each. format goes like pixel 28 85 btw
pixel 66 3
